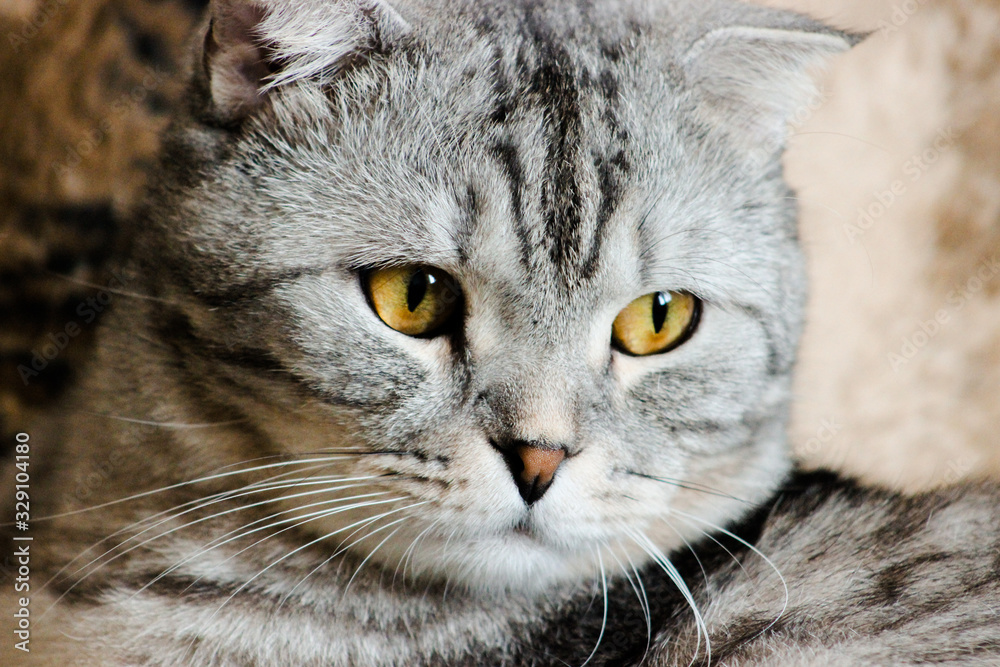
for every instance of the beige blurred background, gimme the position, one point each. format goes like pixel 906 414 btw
pixel 898 175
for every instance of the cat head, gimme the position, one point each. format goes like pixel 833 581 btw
pixel 524 274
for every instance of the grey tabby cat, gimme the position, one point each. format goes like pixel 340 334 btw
pixel 452 330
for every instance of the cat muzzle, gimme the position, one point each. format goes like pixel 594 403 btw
pixel 532 465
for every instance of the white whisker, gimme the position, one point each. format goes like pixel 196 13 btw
pixel 694 553
pixel 404 560
pixel 180 485
pixel 111 290
pixel 340 551
pixel 211 516
pixel 604 618
pixel 105 563
pixel 690 486
pixel 372 552
pixel 661 559
pixel 177 425
pixel 640 593
pixel 297 520
pixel 194 504
pixel 298 549
pixel 784 584
pixel 720 544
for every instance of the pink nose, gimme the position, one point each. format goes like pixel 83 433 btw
pixel 539 464
pixel 532 466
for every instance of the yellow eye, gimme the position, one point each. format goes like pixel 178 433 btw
pixel 414 300
pixel 655 323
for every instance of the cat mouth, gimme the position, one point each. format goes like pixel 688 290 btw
pixel 526 528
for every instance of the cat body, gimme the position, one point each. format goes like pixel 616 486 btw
pixel 274 464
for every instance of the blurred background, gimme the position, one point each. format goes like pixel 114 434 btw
pixel 897 172
pixel 898 175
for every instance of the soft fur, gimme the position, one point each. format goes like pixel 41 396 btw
pixel 558 161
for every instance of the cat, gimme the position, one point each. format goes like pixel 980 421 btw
pixel 461 333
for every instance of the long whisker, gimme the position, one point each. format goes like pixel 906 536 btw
pixel 169 514
pixel 156 537
pixel 302 519
pixel 644 601
pixel 110 290
pixel 690 548
pixel 730 534
pixel 180 485
pixel 291 553
pixel 366 521
pixel 604 618
pixel 720 544
pixel 203 503
pixel 404 560
pixel 342 550
pixel 640 593
pixel 298 455
pixel 661 559
pixel 313 516
pixel 690 486
pixel 370 553
pixel 176 425
pixel 444 549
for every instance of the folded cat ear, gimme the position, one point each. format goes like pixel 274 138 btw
pixel 753 80
pixel 254 46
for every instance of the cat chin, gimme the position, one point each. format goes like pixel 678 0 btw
pixel 549 553
pixel 513 564
pixel 517 563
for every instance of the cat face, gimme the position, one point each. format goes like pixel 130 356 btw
pixel 525 276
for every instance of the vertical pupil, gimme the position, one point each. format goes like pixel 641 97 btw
pixel 417 289
pixel 661 303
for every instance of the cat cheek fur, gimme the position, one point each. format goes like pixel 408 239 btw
pixel 558 162
pixel 394 393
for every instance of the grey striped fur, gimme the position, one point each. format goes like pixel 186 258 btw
pixel 282 479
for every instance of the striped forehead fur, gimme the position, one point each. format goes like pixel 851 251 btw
pixel 556 160
pixel 555 78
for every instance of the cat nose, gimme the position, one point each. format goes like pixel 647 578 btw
pixel 532 464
